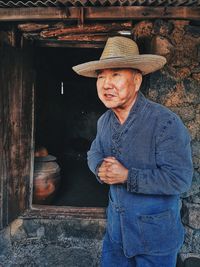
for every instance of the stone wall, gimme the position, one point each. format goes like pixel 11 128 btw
pixel 39 242
pixel 177 86
pixel 52 242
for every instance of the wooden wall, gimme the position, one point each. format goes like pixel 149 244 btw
pixel 16 131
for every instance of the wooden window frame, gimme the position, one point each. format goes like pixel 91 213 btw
pixel 60 212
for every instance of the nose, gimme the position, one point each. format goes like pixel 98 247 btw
pixel 107 83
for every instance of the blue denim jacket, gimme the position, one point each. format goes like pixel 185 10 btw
pixel 154 145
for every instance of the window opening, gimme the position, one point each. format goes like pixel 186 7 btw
pixel 66 112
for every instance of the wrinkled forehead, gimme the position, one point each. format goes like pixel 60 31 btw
pixel 118 69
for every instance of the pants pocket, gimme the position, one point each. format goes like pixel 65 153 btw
pixel 161 233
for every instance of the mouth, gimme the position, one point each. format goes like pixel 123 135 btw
pixel 109 96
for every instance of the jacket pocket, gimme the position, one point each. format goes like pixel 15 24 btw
pixel 161 233
pixel 113 222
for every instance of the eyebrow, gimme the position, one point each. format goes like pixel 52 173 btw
pixel 118 69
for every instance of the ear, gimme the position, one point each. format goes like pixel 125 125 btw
pixel 138 81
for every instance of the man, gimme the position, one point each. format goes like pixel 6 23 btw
pixel 142 150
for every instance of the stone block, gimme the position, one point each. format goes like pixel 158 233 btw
pixel 54 229
pixel 196 149
pixel 192 262
pixel 162 83
pixel 192 30
pixel 5 242
pixel 196 242
pixel 192 93
pixel 31 228
pixel 187 246
pixel 191 215
pixel 186 113
pixel 196 76
pixel 162 27
pixel 142 29
pixel 194 198
pixel 182 73
pixel 195 188
pixel 176 97
pixel 189 260
pixel 161 46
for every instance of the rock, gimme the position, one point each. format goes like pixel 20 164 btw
pixel 31 228
pixel 41 232
pixel 189 260
pixel 195 188
pixel 162 83
pixel 186 113
pixel 5 242
pixel 196 76
pixel 175 97
pixel 192 92
pixel 161 46
pixel 191 215
pixel 142 29
pixel 195 198
pixel 196 243
pixel 196 154
pixel 17 231
pixel 187 246
pixel 182 73
pixel 193 30
pixel 194 129
pixel 192 261
pixel 162 27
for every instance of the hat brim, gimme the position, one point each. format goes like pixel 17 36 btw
pixel 145 63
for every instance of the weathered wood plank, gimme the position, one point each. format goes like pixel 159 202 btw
pixel 32 27
pixel 98 13
pixel 141 12
pixel 85 38
pixel 93 28
pixel 41 211
pixel 16 135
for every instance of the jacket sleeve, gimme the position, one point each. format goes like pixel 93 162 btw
pixel 95 155
pixel 173 173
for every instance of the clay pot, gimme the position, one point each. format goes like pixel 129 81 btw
pixel 46 179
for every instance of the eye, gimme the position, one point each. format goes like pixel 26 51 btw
pixel 115 74
pixel 99 76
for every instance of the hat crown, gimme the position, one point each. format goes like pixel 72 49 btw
pixel 119 47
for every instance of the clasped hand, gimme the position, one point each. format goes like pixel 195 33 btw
pixel 112 171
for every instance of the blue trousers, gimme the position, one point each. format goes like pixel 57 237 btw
pixel 113 256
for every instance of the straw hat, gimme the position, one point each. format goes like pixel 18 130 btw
pixel 121 52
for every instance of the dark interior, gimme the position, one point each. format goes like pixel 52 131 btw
pixel 66 123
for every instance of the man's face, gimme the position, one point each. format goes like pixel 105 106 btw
pixel 117 88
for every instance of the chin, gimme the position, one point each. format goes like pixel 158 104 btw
pixel 110 105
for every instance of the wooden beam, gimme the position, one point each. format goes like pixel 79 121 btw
pixel 99 13
pixel 75 44
pixel 84 29
pixel 86 37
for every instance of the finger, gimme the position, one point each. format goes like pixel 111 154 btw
pixel 103 168
pixel 102 174
pixel 105 175
pixel 110 160
pixel 108 164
